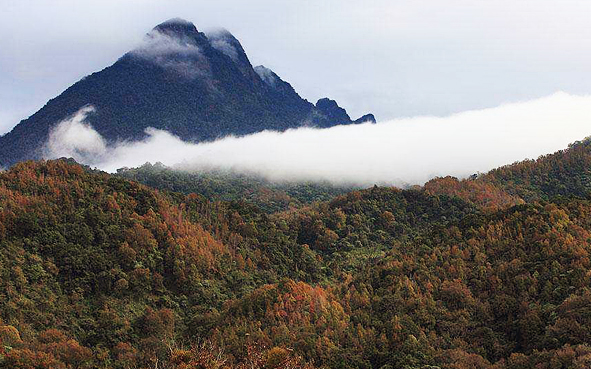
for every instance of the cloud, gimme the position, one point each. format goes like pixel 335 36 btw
pixel 157 43
pixel 175 53
pixel 76 139
pixel 266 74
pixel 398 152
pixel 222 40
pixel 224 46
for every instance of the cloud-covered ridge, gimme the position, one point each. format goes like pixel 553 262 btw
pixel 223 41
pixel 266 74
pixel 398 152
pixel 175 52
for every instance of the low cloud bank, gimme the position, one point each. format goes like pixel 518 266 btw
pixel 398 152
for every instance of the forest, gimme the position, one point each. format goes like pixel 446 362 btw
pixel 218 271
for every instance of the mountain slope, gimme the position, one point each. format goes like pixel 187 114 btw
pixel 565 173
pixel 98 271
pixel 196 86
pixel 92 262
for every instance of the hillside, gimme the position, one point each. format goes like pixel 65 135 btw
pixel 221 185
pixel 197 86
pixel 565 173
pixel 99 271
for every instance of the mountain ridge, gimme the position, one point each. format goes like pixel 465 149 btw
pixel 197 86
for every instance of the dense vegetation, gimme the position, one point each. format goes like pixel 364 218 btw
pixel 219 185
pixel 566 173
pixel 100 271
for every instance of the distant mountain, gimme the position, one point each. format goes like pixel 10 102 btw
pixel 195 85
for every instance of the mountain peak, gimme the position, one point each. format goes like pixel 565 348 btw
pixel 325 102
pixel 222 40
pixel 332 110
pixel 196 86
pixel 367 118
pixel 176 26
pixel 275 82
pixel 176 46
pixel 266 74
pixel 220 32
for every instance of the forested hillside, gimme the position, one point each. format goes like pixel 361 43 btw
pixel 100 271
pixel 220 185
pixel 566 173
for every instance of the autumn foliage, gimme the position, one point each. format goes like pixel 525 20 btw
pixel 488 272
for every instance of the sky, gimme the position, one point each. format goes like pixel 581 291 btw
pixel 396 59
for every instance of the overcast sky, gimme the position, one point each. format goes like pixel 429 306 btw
pixel 393 58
